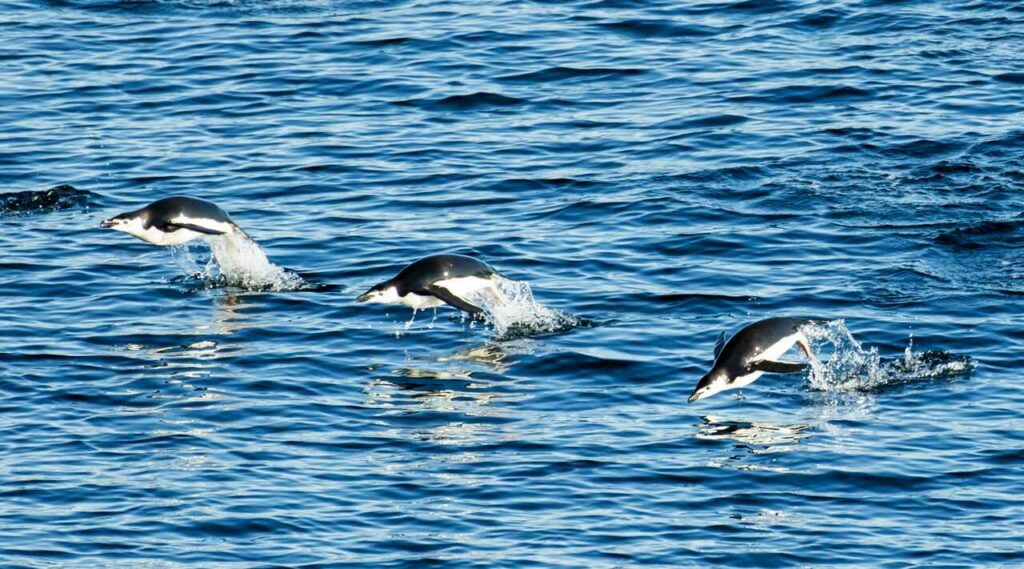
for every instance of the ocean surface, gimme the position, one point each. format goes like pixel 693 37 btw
pixel 646 175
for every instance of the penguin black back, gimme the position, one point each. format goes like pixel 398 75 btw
pixel 751 352
pixel 166 209
pixel 421 274
pixel 173 221
pixel 736 355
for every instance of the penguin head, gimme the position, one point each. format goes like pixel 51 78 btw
pixel 383 293
pixel 132 223
pixel 713 382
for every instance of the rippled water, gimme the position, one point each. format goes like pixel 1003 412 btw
pixel 658 172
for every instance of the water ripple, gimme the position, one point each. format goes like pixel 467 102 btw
pixel 654 172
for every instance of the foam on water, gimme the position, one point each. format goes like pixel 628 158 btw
pixel 236 260
pixel 842 364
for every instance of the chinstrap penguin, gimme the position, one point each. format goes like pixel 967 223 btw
pixel 752 352
pixel 438 280
pixel 173 221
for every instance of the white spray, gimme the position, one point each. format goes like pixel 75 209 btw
pixel 236 260
pixel 512 310
pixel 848 366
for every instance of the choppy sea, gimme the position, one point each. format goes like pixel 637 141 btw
pixel 647 174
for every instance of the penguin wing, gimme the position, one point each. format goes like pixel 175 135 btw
pixel 769 366
pixel 174 226
pixel 447 296
pixel 719 344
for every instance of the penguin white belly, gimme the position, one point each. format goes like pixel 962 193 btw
pixel 776 350
pixel 472 289
pixel 772 354
pixel 745 380
pixel 180 235
pixel 167 238
pixel 418 302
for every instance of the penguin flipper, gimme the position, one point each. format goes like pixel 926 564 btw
pixel 170 226
pixel 719 344
pixel 769 366
pixel 447 296
pixel 805 346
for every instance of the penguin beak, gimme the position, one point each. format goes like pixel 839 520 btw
pixel 365 296
pixel 107 223
pixel 698 392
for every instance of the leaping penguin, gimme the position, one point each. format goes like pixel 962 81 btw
pixel 173 221
pixel 438 280
pixel 753 351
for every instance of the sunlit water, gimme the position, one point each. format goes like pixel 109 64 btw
pixel 645 174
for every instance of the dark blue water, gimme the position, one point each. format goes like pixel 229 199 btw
pixel 661 173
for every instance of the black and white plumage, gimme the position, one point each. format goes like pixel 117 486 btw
pixel 173 221
pixel 752 352
pixel 438 280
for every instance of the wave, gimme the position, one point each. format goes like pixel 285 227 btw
pixel 562 72
pixel 59 197
pixel 659 28
pixel 468 102
pixel 702 122
pixel 980 235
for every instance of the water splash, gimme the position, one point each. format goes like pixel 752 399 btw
pixel 850 367
pixel 187 262
pixel 236 261
pixel 514 313
pixel 244 264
